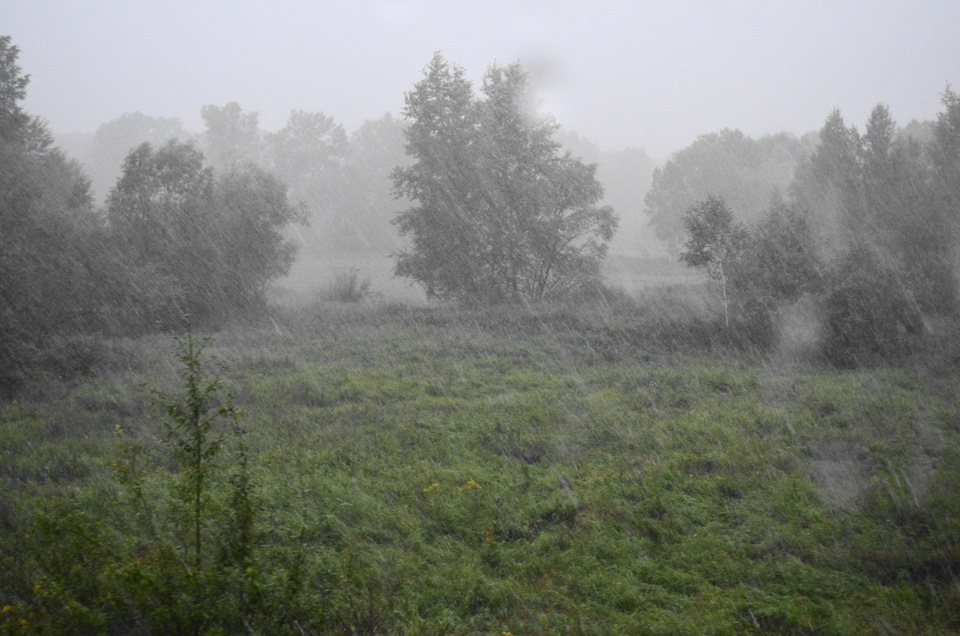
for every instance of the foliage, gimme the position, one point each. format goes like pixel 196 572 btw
pixel 744 172
pixel 175 552
pixel 715 243
pixel 626 175
pixel 309 154
pixel 499 213
pixel 231 136
pixel 829 184
pixel 368 205
pixel 781 264
pixel 52 244
pixel 102 152
pixel 868 311
pixel 216 242
pixel 876 189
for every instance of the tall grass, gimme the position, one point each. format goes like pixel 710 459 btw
pixel 546 469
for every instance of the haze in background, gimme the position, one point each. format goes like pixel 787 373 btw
pixel 623 74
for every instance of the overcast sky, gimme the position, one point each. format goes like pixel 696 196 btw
pixel 632 73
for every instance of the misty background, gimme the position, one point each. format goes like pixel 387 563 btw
pixel 631 85
pixel 622 74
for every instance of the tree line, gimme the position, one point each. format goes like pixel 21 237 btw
pixel 486 206
pixel 868 228
pixel 175 241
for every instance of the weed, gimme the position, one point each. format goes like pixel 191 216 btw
pixel 347 287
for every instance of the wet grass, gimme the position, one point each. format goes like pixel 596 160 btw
pixel 445 471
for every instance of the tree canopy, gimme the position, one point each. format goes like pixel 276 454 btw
pixel 499 213
pixel 214 241
pixel 744 172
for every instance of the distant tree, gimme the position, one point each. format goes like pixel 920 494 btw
pixel 309 154
pixel 878 191
pixel 626 176
pixel 499 213
pixel 829 184
pixel 715 244
pixel 231 136
pixel 369 207
pixel 103 152
pixel 252 211
pixel 743 171
pixel 215 242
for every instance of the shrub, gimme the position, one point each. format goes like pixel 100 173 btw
pixel 868 311
pixel 347 287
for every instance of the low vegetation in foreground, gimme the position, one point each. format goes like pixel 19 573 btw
pixel 442 471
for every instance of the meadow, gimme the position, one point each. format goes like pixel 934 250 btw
pixel 616 466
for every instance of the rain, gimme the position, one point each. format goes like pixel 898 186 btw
pixel 389 317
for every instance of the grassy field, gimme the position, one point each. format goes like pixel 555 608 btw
pixel 432 470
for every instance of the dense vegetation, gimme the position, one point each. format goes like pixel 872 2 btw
pixel 394 470
pixel 174 237
pixel 177 456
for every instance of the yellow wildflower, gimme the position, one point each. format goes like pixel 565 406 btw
pixel 470 485
pixel 7 609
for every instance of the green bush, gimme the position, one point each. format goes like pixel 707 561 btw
pixel 868 311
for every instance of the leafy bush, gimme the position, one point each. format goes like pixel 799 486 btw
pixel 867 309
pixel 347 287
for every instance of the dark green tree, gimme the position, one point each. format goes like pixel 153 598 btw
pixel 215 242
pixel 780 264
pixel 51 241
pixel 499 212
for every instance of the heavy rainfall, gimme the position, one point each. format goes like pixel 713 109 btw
pixel 479 318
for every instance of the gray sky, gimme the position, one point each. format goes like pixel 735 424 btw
pixel 631 73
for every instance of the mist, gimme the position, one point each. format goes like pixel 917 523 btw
pixel 502 317
pixel 622 75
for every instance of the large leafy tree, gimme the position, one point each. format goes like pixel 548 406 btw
pixel 215 242
pixel 499 212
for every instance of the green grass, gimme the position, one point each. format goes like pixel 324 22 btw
pixel 439 471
